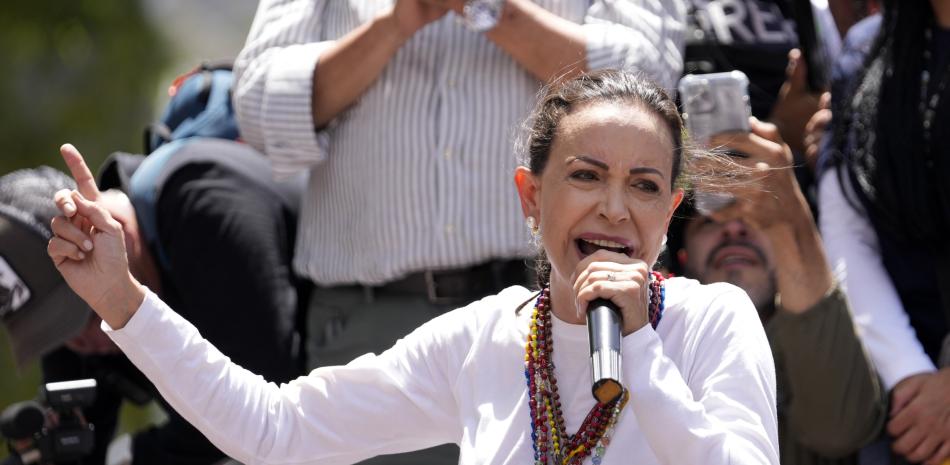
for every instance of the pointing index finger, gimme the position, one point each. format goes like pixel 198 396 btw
pixel 85 182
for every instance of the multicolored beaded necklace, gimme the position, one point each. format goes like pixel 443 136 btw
pixel 552 444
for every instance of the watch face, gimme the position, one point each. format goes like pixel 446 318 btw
pixel 482 15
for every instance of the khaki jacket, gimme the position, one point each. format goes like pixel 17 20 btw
pixel 830 402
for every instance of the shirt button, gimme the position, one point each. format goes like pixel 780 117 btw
pixel 447 154
pixel 449 228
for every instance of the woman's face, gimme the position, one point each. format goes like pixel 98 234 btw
pixel 606 185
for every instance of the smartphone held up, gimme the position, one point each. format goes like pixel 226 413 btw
pixel 715 103
pixel 712 104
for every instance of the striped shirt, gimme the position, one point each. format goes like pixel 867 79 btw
pixel 418 173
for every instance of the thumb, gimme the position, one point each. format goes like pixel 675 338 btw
pixel 99 217
pixel 797 71
pixel 824 102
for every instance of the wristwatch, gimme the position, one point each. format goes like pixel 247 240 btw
pixel 482 15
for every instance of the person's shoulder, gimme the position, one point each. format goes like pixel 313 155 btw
pixel 855 48
pixel 493 316
pixel 712 320
pixel 707 304
pixel 508 303
pixel 862 33
pixel 690 292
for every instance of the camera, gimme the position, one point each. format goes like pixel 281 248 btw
pixel 56 432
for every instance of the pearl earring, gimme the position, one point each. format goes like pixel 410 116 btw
pixel 532 224
pixel 663 242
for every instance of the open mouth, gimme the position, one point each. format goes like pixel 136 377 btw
pixel 589 246
pixel 734 256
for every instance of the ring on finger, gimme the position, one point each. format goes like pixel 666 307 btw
pixel 611 276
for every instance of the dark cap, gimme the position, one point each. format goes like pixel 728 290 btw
pixel 37 308
pixel 117 171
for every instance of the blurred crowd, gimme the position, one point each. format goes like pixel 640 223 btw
pixel 366 189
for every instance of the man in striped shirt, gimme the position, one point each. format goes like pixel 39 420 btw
pixel 404 112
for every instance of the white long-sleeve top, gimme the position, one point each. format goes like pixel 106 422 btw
pixel 852 246
pixel 702 387
pixel 416 175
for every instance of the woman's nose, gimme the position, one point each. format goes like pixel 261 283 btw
pixel 613 206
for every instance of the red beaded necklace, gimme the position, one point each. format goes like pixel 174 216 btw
pixel 552 444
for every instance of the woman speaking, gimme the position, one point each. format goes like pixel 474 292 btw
pixel 506 378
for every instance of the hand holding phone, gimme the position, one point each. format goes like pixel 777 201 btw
pixel 713 104
pixel 764 185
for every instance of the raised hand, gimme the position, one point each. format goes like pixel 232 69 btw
pixel 769 199
pixel 815 131
pixel 796 103
pixel 88 248
pixel 412 15
pixel 767 194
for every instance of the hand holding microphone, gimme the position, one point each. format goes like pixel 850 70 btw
pixel 611 291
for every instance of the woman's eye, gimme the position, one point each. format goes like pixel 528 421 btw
pixel 647 186
pixel 584 175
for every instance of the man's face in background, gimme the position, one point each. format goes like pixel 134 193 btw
pixel 730 252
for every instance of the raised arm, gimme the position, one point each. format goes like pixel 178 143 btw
pixel 292 80
pixel 401 400
pixel 395 402
pixel 647 36
pixel 770 200
pixel 837 403
pixel 350 64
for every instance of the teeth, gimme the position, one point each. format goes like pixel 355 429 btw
pixel 735 259
pixel 605 243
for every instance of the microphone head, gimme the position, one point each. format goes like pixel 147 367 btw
pixel 597 303
pixel 21 420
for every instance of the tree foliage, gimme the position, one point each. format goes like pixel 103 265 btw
pixel 82 71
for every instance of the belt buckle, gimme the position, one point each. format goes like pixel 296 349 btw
pixel 431 290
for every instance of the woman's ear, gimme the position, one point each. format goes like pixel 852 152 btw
pixel 529 190
pixel 678 195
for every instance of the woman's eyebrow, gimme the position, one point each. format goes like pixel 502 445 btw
pixel 604 166
pixel 646 170
pixel 587 159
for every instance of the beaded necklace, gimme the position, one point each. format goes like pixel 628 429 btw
pixel 552 444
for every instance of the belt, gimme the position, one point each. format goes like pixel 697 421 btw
pixel 460 285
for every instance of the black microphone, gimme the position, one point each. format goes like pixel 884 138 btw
pixel 21 420
pixel 603 331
